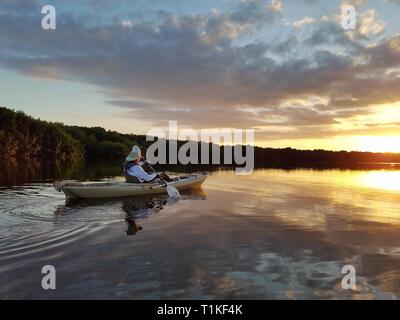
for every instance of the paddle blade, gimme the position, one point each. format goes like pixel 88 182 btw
pixel 173 192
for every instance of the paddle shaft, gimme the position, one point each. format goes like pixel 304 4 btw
pixel 162 180
pixel 171 190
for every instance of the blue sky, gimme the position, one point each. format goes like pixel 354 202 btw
pixel 284 67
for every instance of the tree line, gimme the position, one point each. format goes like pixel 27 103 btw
pixel 23 138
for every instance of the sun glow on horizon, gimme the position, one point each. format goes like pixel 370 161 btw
pixel 346 143
pixel 379 143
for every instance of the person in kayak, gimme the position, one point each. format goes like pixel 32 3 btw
pixel 133 168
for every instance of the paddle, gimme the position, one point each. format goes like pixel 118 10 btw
pixel 172 191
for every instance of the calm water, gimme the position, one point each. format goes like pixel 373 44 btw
pixel 274 235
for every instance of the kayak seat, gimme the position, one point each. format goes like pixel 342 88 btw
pixel 131 179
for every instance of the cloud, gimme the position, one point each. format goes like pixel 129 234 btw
pixel 203 70
pixel 368 25
pixel 276 5
pixel 303 22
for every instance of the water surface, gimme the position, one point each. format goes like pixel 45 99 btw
pixel 273 235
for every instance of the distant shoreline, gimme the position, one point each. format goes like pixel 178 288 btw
pixel 27 139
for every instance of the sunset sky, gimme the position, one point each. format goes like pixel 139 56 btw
pixel 287 68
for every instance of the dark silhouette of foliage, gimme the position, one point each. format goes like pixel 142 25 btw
pixel 23 138
pixel 101 144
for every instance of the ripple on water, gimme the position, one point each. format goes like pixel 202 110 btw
pixel 35 218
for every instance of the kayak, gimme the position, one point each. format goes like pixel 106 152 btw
pixel 78 190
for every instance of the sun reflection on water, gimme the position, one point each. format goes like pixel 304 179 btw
pixel 385 180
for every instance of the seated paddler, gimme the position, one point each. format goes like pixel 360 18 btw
pixel 134 172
